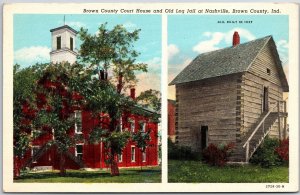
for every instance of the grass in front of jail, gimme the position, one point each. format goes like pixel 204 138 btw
pixel 198 172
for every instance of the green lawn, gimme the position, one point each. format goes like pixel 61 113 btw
pixel 129 175
pixel 197 172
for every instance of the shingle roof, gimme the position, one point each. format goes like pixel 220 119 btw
pixel 221 62
pixel 62 27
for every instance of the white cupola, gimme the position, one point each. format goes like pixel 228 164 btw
pixel 63 45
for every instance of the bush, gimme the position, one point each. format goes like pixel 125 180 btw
pixel 283 151
pixel 217 155
pixel 266 155
pixel 177 152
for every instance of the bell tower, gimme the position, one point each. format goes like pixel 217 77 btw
pixel 63 45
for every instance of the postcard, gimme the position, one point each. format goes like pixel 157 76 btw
pixel 150 97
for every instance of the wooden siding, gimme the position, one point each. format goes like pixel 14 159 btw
pixel 212 103
pixel 265 60
pixel 252 96
pixel 253 83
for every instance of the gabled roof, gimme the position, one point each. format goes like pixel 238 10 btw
pixel 227 61
pixel 62 27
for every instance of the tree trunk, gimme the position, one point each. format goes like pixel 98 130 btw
pixel 114 170
pixel 62 167
pixel 16 168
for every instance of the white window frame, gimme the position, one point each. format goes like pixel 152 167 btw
pixel 120 157
pixel 78 113
pixel 132 125
pixel 76 153
pixel 132 153
pixel 32 148
pixel 143 127
pixel 144 156
pixel 121 124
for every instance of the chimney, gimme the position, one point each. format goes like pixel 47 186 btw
pixel 235 39
pixel 132 93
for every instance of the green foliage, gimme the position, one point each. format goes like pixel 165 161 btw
pixel 181 152
pixel 21 144
pixel 115 142
pixel 141 139
pixel 54 91
pixel 265 155
pixel 150 98
pixel 112 49
pixel 24 82
pixel 197 172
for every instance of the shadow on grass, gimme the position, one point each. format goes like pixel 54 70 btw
pixel 86 174
pixel 50 175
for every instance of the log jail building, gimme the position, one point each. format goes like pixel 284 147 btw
pixel 234 95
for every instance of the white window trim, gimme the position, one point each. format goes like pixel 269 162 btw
pixel 143 127
pixel 76 154
pixel 32 152
pixel 144 156
pixel 132 125
pixel 121 124
pixel 75 115
pixel 132 154
pixel 120 158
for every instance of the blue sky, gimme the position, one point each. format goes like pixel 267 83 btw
pixel 32 38
pixel 191 35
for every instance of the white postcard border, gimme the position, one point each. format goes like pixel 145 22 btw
pixel 74 8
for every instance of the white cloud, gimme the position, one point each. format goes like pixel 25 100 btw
pixel 130 26
pixel 283 44
pixel 209 45
pixel 147 80
pixel 286 70
pixel 154 64
pixel 172 51
pixel 207 34
pixel 244 33
pixel 215 38
pixel 32 55
pixel 150 79
pixel 77 25
pixel 283 49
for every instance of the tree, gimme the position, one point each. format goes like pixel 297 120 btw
pixel 47 107
pixel 56 91
pixel 150 98
pixel 114 50
pixel 57 100
pixel 111 50
pixel 24 81
pixel 142 140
